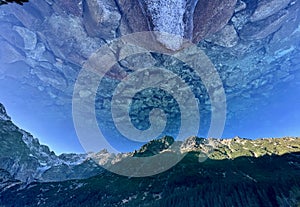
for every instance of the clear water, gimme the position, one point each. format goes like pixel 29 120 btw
pixel 271 111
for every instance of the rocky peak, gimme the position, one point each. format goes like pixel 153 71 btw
pixel 3 114
pixel 155 147
pixel 23 157
pixel 192 143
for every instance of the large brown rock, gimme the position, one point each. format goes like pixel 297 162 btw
pixel 134 18
pixel 211 16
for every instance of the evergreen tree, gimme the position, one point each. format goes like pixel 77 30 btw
pixel 2 2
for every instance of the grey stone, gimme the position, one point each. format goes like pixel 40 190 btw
pixel 101 18
pixel 73 7
pixel 227 37
pixel 200 18
pixel 38 53
pixel 139 61
pixel 29 37
pixel 267 8
pixel 287 37
pixel 9 54
pixel 263 28
pixel 240 5
pixel 72 43
pixel 51 77
pixel 14 37
pixel 26 17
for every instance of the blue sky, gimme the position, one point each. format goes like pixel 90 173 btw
pixel 275 116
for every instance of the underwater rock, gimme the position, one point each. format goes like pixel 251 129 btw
pixel 72 43
pixel 285 39
pixel 240 5
pixel 101 18
pixel 193 20
pixel 211 16
pixel 167 17
pixel 262 29
pixel 9 54
pixel 29 37
pixel 134 18
pixel 51 77
pixel 267 8
pixel 73 7
pixel 227 37
pixel 25 15
pixel 243 51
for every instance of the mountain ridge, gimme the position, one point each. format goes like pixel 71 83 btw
pixel 27 160
pixel 30 161
pixel 214 172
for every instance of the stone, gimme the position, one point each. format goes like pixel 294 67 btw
pixel 227 37
pixel 139 61
pixel 200 18
pixel 38 53
pixel 42 8
pixel 13 38
pixel 26 16
pixel 168 17
pixel 240 5
pixel 101 18
pixel 3 114
pixel 211 16
pixel 262 29
pixel 267 8
pixel 51 77
pixel 134 18
pixel 73 7
pixel 73 43
pixel 9 54
pixel 285 39
pixel 29 37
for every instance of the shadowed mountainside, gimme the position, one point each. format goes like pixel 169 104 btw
pixel 270 180
pixel 215 172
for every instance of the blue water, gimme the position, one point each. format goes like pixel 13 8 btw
pixel 273 111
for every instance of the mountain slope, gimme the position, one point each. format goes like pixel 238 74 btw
pixel 214 172
pixel 27 160
pixel 270 180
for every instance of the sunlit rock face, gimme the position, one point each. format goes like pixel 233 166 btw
pixel 23 158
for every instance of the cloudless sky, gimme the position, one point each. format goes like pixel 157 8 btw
pixel 278 117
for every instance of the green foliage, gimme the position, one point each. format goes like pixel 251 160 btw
pixel 269 180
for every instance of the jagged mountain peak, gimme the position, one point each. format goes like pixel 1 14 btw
pixel 155 146
pixel 27 160
pixel 3 114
